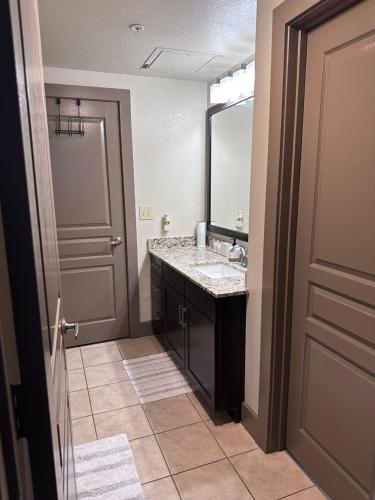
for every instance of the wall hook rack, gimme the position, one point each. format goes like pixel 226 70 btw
pixel 75 124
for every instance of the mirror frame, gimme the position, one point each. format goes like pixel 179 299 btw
pixel 232 233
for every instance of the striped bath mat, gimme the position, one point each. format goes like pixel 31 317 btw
pixel 105 469
pixel 157 377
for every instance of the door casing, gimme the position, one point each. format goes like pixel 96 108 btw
pixel 292 21
pixel 122 98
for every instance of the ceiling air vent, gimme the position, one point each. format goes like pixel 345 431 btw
pixel 177 61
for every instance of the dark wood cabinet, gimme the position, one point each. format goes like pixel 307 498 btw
pixel 206 333
pixel 201 351
pixel 174 332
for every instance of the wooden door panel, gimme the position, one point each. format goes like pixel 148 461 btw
pixel 95 287
pixel 336 415
pixel 332 371
pixel 81 247
pixel 355 318
pixel 344 210
pixel 87 178
pixel 77 186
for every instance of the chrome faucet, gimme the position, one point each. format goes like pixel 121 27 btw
pixel 237 253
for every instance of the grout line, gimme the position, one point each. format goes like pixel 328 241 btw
pixel 177 428
pixel 228 458
pixel 115 409
pixel 295 492
pixel 92 412
pixel 243 452
pixel 202 465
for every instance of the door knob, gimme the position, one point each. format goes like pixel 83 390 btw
pixel 69 327
pixel 116 241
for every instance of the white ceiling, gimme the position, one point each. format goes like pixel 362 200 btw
pixel 94 35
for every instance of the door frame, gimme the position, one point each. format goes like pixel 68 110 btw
pixel 122 98
pixel 292 20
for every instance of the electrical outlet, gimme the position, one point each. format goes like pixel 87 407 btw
pixel 146 212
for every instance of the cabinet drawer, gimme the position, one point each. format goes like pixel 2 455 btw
pixel 174 278
pixel 200 299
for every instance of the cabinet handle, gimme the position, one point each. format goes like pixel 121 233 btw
pixel 180 314
pixel 184 317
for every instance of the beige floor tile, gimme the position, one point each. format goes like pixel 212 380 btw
pixel 148 459
pixel 79 404
pixel 105 374
pixel 99 344
pixel 132 421
pixel 100 355
pixel 171 413
pixel 163 489
pixel 76 379
pixel 233 438
pixel 217 481
pixel 113 396
pixel 270 476
pixel 204 411
pixel 73 358
pixel 189 447
pixel 83 430
pixel 135 348
pixel 309 494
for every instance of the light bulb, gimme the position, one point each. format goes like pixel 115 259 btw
pixel 216 93
pixel 230 89
pixel 241 79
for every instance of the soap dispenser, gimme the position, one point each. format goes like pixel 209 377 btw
pixel 234 252
pixel 166 223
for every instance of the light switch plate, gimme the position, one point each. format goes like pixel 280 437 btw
pixel 146 212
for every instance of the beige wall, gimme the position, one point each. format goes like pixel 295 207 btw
pixel 257 196
pixel 168 130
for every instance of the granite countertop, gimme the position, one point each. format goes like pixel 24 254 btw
pixel 185 259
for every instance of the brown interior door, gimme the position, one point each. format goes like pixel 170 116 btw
pixel 331 414
pixel 31 243
pixel 89 199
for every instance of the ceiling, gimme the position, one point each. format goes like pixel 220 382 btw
pixel 206 37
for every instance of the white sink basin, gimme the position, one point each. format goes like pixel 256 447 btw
pixel 219 271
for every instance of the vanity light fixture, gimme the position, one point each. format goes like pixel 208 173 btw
pixel 234 86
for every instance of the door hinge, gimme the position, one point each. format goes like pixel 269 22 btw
pixel 19 408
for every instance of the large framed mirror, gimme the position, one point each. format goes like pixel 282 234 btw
pixel 229 130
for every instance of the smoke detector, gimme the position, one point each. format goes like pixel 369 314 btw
pixel 137 28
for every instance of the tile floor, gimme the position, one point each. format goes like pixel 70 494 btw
pixel 181 449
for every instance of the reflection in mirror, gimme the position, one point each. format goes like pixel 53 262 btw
pixel 230 165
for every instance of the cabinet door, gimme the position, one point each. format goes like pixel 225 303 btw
pixel 201 351
pixel 174 332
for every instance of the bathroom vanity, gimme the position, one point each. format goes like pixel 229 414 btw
pixel 202 320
